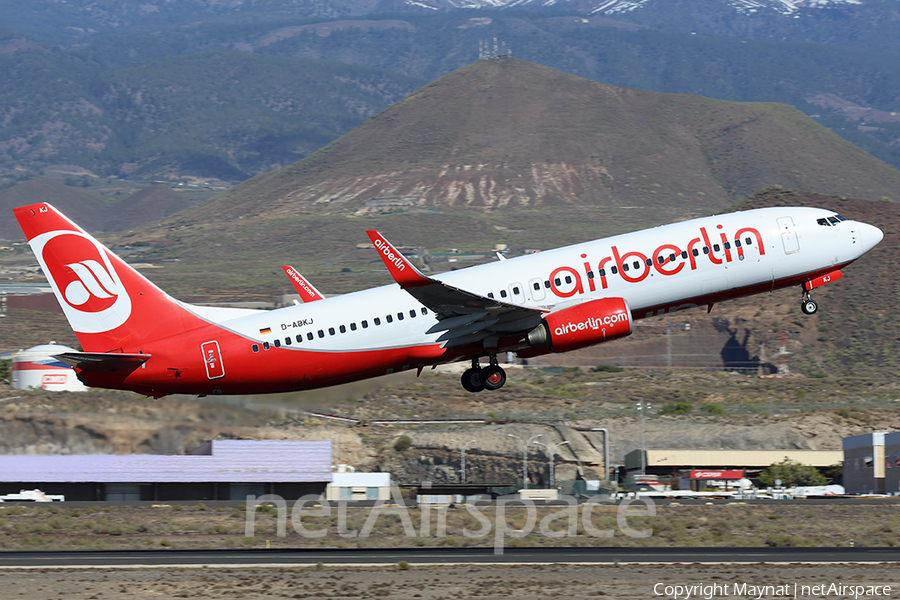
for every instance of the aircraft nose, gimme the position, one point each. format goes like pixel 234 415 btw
pixel 869 236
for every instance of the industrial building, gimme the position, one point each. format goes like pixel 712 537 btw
pixel 217 470
pixel 750 462
pixel 872 463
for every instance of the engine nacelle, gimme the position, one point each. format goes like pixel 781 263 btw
pixel 583 325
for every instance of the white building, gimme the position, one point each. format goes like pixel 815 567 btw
pixel 37 368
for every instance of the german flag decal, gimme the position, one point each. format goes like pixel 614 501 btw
pixel 265 331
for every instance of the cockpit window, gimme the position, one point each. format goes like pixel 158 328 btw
pixel 834 220
pixel 824 222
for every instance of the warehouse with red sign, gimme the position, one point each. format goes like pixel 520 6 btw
pixel 696 469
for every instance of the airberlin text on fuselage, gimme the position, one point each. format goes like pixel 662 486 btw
pixel 389 254
pixel 633 266
pixel 591 323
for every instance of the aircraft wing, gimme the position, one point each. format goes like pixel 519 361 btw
pixel 464 317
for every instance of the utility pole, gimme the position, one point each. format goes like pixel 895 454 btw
pixel 642 407
pixel 525 456
pixel 551 450
pixel 462 462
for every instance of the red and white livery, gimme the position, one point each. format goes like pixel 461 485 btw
pixel 136 337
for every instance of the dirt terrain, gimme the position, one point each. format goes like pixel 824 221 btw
pixel 524 582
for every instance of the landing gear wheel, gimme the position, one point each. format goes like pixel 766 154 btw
pixel 809 307
pixel 493 377
pixel 472 380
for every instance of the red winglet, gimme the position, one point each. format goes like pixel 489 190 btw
pixel 308 293
pixel 401 269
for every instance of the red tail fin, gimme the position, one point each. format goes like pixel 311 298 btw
pixel 111 307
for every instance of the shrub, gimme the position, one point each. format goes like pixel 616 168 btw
pixel 403 565
pixel 791 473
pixel 676 408
pixel 713 409
pixel 606 369
pixel 403 443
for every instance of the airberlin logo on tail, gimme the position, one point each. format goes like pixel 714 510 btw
pixel 82 276
pixel 388 252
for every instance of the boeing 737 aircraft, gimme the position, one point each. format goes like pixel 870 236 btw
pixel 136 337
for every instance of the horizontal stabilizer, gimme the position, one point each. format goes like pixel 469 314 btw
pixel 103 361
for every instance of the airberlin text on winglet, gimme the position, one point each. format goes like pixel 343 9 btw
pixel 389 254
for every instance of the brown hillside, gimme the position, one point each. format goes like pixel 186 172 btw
pixel 86 207
pixel 509 133
pixel 145 206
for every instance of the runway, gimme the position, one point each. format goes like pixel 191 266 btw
pixel 441 556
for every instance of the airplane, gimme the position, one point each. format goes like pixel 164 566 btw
pixel 136 337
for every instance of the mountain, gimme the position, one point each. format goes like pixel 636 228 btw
pixel 220 114
pixel 507 134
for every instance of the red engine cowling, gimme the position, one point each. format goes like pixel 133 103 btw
pixel 583 325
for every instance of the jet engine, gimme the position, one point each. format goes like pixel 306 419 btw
pixel 583 325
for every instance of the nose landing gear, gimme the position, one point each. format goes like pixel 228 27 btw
pixel 476 379
pixel 808 305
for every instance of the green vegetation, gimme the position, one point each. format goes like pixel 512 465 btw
pixel 5 370
pixel 403 443
pixel 676 408
pixel 791 473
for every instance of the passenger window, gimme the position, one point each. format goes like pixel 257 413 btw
pixel 503 292
pixel 625 267
pixel 255 347
pixel 568 279
pixel 614 270
pixel 377 321
pixel 748 241
pixel 684 254
pixel 424 311
pixel 491 295
pixel 716 247
pixel 309 335
pixel 695 252
pixel 636 265
pixel 660 259
pixel 557 281
pixel 537 286
pixel 412 312
pixel 728 245
pixel 737 243
pixel 547 284
pixel 277 343
pixel 672 257
pixel 590 274
pixel 331 331
pixel 321 333
pixel 364 323
pixel 265 345
pixel 352 326
pixel 342 329
pixel 299 338
pixel 287 341
pixel 705 250
pixel 649 263
pixel 399 316
pixel 516 291
pixel 389 319
pixel 602 272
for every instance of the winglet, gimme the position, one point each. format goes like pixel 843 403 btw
pixel 401 269
pixel 308 293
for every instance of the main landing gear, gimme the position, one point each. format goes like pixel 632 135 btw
pixel 808 305
pixel 491 377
